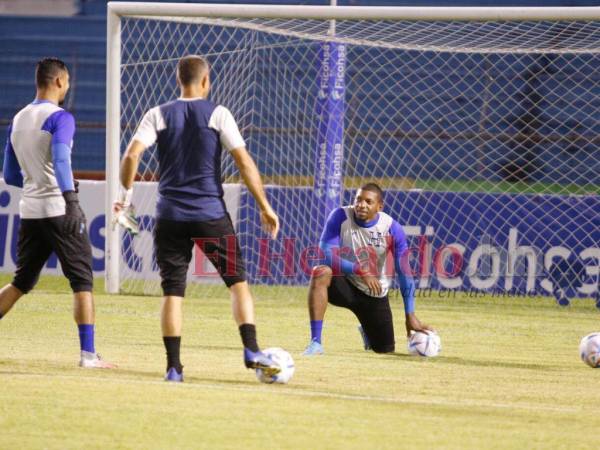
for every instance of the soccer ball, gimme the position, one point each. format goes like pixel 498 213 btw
pixel 589 349
pixel 424 344
pixel 285 361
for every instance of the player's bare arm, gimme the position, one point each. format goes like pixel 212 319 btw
pixel 130 162
pixel 253 181
pixel 129 168
pixel 414 324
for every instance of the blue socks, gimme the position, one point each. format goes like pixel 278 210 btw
pixel 316 327
pixel 86 337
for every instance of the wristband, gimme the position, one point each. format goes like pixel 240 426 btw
pixel 125 196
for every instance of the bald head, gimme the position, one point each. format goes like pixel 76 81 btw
pixel 191 70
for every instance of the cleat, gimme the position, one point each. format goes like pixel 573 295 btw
pixel 174 376
pixel 90 360
pixel 314 348
pixel 258 360
pixel 365 339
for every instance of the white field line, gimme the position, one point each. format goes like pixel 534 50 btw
pixel 281 390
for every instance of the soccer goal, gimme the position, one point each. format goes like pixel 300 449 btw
pixel 482 125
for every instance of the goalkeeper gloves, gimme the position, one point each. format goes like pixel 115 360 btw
pixel 125 216
pixel 74 222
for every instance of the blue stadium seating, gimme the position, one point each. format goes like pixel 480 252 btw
pixel 81 42
pixel 442 103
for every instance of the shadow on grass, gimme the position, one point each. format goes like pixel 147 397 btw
pixel 237 348
pixel 123 375
pixel 220 381
pixel 469 362
pixel 27 367
pixel 190 377
pixel 187 346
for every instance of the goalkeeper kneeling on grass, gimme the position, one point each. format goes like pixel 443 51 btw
pixel 366 233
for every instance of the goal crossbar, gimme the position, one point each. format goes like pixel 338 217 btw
pixel 518 13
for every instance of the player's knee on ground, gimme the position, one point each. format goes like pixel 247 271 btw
pixel 321 274
pixel 387 348
pixel 382 339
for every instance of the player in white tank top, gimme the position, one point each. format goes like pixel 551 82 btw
pixel 363 248
pixel 37 158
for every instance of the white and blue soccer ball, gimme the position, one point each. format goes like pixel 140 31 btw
pixel 424 344
pixel 285 361
pixel 589 349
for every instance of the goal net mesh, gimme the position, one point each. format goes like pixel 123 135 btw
pixel 484 135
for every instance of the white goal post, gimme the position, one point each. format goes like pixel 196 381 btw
pixel 490 112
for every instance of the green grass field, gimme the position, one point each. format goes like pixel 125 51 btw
pixel 509 376
pixel 440 185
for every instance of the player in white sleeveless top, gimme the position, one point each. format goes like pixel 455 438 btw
pixel 37 158
pixel 368 240
pixel 364 249
pixel 191 133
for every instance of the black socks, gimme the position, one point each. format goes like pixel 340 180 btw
pixel 248 334
pixel 172 345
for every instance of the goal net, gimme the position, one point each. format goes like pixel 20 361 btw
pixel 482 129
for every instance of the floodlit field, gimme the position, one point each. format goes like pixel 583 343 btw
pixel 509 377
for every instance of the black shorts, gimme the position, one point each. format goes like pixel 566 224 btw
pixel 373 313
pixel 174 241
pixel 38 238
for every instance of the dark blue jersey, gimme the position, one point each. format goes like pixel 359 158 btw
pixel 190 135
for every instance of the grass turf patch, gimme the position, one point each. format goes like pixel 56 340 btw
pixel 509 376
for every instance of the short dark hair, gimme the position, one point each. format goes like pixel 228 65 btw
pixel 373 187
pixel 190 69
pixel 47 70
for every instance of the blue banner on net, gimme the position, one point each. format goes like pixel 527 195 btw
pixel 505 243
pixel 330 112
